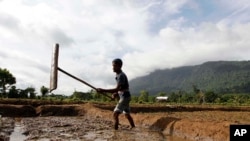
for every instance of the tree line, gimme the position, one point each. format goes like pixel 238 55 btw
pixel 9 90
pixel 179 97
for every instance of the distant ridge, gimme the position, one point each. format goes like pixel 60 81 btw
pixel 218 76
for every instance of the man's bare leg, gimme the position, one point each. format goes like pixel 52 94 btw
pixel 116 119
pixel 131 121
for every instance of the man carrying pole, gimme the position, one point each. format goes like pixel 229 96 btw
pixel 121 89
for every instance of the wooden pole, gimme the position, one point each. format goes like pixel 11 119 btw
pixel 63 71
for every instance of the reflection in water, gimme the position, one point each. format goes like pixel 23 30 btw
pixel 17 135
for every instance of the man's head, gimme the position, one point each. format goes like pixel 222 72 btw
pixel 117 65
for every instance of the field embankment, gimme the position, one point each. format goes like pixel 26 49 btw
pixel 201 123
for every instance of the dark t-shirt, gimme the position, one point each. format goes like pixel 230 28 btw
pixel 122 80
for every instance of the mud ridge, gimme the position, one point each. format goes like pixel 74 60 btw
pixel 189 123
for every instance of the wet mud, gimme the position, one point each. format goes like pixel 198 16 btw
pixel 74 128
pixel 93 122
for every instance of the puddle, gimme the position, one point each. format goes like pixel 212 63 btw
pixel 17 135
pixel 80 129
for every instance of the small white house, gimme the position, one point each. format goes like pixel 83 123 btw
pixel 161 98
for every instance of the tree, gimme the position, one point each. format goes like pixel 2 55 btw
pixel 44 90
pixel 162 94
pixel 210 96
pixel 173 97
pixel 6 80
pixel 31 92
pixel 176 96
pixel 13 92
pixel 23 94
pixel 143 96
pixel 151 99
pixel 188 98
pixel 81 95
pixel 134 99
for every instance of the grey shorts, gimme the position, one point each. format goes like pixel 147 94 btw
pixel 123 105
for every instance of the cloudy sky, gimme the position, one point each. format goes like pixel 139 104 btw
pixel 146 34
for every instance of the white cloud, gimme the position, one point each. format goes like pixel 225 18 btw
pixel 195 45
pixel 147 35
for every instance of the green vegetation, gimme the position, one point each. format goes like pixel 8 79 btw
pixel 220 77
pixel 6 80
pixel 220 83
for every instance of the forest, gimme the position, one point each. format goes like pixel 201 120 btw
pixel 219 76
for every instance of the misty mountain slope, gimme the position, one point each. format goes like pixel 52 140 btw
pixel 219 76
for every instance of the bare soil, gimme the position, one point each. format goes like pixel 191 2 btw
pixel 93 121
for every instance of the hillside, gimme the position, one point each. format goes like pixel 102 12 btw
pixel 219 76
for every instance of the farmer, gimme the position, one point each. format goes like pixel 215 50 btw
pixel 121 89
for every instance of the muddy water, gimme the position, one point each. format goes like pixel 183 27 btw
pixel 17 134
pixel 80 128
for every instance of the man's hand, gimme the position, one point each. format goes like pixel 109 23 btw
pixel 114 96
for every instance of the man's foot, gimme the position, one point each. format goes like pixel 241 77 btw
pixel 131 127
pixel 116 126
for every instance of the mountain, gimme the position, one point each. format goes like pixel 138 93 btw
pixel 217 76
